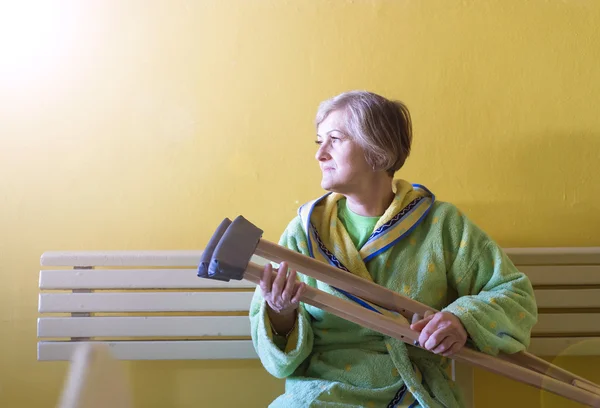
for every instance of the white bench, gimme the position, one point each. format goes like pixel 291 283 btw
pixel 150 305
pixel 146 305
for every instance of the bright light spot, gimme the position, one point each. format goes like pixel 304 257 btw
pixel 33 37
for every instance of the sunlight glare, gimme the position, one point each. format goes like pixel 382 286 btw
pixel 33 38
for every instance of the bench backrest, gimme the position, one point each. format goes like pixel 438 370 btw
pixel 150 305
pixel 567 291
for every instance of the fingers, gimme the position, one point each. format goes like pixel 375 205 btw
pixel 282 292
pixel 443 333
pixel 431 337
pixel 415 318
pixel 456 347
pixel 300 289
pixel 265 281
pixel 279 281
pixel 445 345
pixel 420 325
pixel 290 287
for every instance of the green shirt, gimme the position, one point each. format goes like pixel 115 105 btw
pixel 359 227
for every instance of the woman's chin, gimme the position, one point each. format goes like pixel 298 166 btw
pixel 326 184
pixel 331 187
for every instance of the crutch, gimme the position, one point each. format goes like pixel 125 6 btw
pixel 95 380
pixel 227 256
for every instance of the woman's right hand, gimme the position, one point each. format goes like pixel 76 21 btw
pixel 282 295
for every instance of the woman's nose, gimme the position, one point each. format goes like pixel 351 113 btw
pixel 322 153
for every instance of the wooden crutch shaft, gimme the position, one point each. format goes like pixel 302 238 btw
pixel 530 377
pixel 345 309
pixel 95 380
pixel 544 367
pixel 390 300
pixel 591 388
pixel 391 327
pixel 349 282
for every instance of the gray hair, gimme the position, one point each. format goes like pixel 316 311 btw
pixel 382 127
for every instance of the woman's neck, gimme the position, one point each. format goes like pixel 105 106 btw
pixel 373 199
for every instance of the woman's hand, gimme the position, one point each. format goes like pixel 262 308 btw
pixel 282 295
pixel 441 333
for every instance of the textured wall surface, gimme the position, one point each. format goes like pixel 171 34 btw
pixel 140 125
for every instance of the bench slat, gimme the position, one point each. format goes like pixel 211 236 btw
pixel 131 279
pixel 157 350
pixel 120 258
pixel 159 326
pixel 549 323
pixel 520 256
pixel 126 258
pixel 562 274
pixel 176 326
pixel 187 278
pixel 243 349
pixel 554 256
pixel 572 346
pixel 567 298
pixel 240 301
pixel 145 302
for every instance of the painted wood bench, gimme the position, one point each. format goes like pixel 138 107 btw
pixel 146 305
pixel 150 305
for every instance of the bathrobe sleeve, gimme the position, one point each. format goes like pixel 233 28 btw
pixel 495 303
pixel 281 357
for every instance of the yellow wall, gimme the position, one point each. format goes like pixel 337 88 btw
pixel 140 125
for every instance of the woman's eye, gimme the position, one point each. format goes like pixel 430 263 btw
pixel 319 142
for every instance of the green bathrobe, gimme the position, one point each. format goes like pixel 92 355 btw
pixel 421 248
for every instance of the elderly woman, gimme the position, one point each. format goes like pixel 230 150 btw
pixel 399 236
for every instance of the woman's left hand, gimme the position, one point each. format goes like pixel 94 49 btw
pixel 441 333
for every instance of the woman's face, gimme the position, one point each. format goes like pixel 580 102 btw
pixel 341 159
